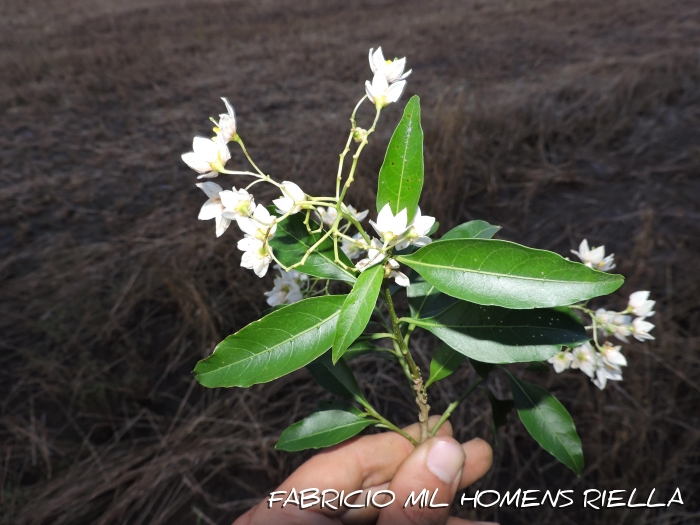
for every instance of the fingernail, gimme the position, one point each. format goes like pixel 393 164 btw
pixel 445 460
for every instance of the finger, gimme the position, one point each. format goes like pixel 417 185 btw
pixel 479 459
pixel 436 467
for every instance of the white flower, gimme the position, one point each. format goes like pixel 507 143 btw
pixel 604 372
pixel 390 227
pixel 561 361
pixel 237 203
pixel 207 157
pixel 287 289
pixel 612 356
pixel 260 226
pixel 353 249
pixel 226 127
pixel 612 323
pixel 585 359
pixel 291 196
pixel 595 258
pixel 255 255
pixel 358 216
pixel 640 329
pixel 418 231
pixel 391 271
pixel 374 256
pixel 640 304
pixel 391 69
pixel 213 209
pixel 382 94
pixel 327 215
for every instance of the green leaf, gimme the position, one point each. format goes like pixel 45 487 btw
pixel 338 404
pixel 292 240
pixel 273 346
pixel 492 334
pixel 500 408
pixel 357 309
pixel 502 273
pixel 472 230
pixel 483 369
pixel 424 300
pixel 337 379
pixel 322 429
pixel 548 422
pixel 444 362
pixel 401 175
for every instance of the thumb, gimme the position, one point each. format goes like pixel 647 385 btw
pixel 434 469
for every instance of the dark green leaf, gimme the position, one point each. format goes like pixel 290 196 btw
pixel 338 404
pixel 548 422
pixel 357 309
pixel 502 273
pixel 500 408
pixel 292 240
pixel 472 230
pixel 497 335
pixel 483 369
pixel 322 429
pixel 401 175
pixel 337 379
pixel 445 361
pixel 359 348
pixel 424 299
pixel 273 346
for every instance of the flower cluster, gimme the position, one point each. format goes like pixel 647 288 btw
pixel 389 79
pixel 603 362
pixel 288 287
pixel 395 232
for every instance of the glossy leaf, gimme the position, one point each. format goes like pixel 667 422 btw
pixel 357 309
pixel 401 174
pixel 548 422
pixel 502 273
pixel 444 362
pixel 497 335
pixel 424 299
pixel 273 346
pixel 292 240
pixel 500 408
pixel 322 429
pixel 472 230
pixel 483 369
pixel 337 379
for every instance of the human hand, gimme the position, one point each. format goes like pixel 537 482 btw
pixel 377 462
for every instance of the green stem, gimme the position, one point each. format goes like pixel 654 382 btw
pixel 452 406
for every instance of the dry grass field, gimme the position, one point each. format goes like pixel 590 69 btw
pixel 555 119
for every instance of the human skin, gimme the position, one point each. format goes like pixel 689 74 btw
pixel 383 461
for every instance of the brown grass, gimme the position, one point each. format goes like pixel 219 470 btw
pixel 555 119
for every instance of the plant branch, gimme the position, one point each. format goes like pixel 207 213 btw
pixel 452 406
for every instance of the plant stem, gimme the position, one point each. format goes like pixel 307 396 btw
pixel 452 406
pixel 388 424
pixel 417 378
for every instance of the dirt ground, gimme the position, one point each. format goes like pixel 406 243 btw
pixel 557 120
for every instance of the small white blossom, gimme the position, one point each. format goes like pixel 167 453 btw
pixel 391 271
pixel 561 361
pixel 291 196
pixel 358 216
pixel 327 215
pixel 417 233
pixel 213 208
pixel 390 227
pixel 613 323
pixel 374 256
pixel 585 359
pixel 261 225
pixel 612 356
pixel 640 305
pixel 353 249
pixel 640 329
pixel 237 203
pixel 595 258
pixel 287 288
pixel 380 93
pixel 393 70
pixel 207 157
pixel 604 372
pixel 226 127
pixel 255 256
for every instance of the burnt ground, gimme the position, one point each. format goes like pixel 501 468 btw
pixel 557 120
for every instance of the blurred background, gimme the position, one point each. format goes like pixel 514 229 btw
pixel 558 120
